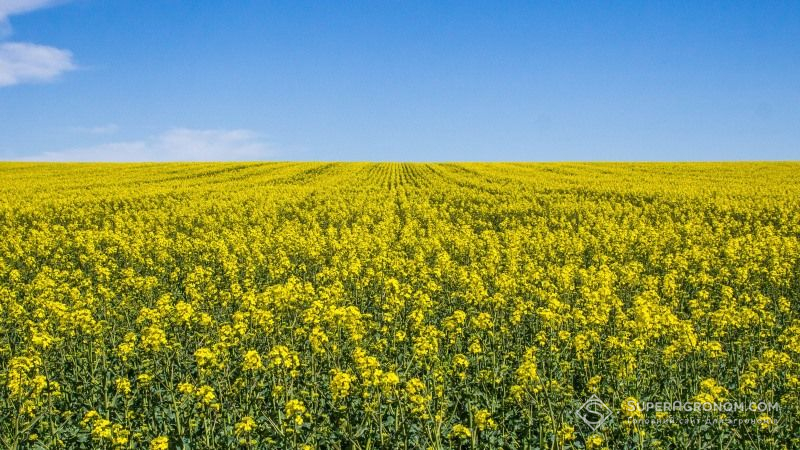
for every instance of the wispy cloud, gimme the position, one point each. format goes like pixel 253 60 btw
pixel 12 7
pixel 110 128
pixel 24 62
pixel 177 144
pixel 21 62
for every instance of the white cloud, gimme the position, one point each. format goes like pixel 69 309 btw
pixel 22 62
pixel 12 7
pixel 111 128
pixel 177 144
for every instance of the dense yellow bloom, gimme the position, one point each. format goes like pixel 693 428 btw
pixel 426 345
pixel 153 338
pixel 207 396
pixel 294 411
pixel 475 347
pixel 184 312
pixel 89 417
pixel 527 373
pixel 206 358
pixel 318 339
pixel 566 433
pixel 711 391
pixel 460 362
pixel 159 443
pixel 594 383
pixel 368 367
pixel 186 388
pixel 126 348
pixel 252 361
pixel 340 384
pixel 482 321
pixel 280 356
pixel 484 421
pixel 418 397
pixel 388 382
pixel 101 429
pixel 397 305
pixel 123 386
pixel 120 436
pixel 747 382
pixel 459 432
pixel 19 375
pixel 455 320
pixel 41 338
pixel 245 426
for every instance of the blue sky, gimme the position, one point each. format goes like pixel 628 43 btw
pixel 399 80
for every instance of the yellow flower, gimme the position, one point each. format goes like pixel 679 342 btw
pixel 527 373
pixel 711 391
pixel 631 408
pixel 19 373
pixel 101 429
pixel 123 386
pixel 566 434
pixel 41 338
pixel 295 409
pixel 340 384
pixel 484 421
pixel 459 366
pixel 120 435
pixel 207 396
pixel 418 397
pixel 252 361
pixel 593 384
pixel 245 426
pixel 594 441
pixel 281 357
pixel 184 312
pixel 126 348
pixel 159 443
pixel 426 345
pixel 89 417
pixel 475 347
pixel 388 382
pixel 765 421
pixel 318 339
pixel 171 280
pixel 482 321
pixel 460 432
pixel 205 358
pixel 153 338
pixel 186 388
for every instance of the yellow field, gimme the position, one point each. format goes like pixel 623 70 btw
pixel 314 305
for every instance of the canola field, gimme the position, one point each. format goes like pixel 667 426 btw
pixel 399 306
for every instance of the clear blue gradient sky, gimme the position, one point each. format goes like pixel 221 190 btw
pixel 399 80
